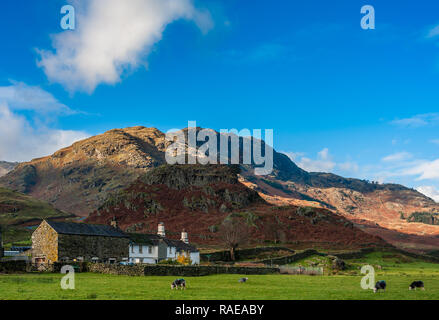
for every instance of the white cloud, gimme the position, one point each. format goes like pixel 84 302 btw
pixel 112 37
pixel 424 170
pixel 293 155
pixel 397 157
pixel 323 163
pixel 434 32
pixel 430 192
pixel 419 120
pixel 435 141
pixel 20 96
pixel 22 139
pixel 349 167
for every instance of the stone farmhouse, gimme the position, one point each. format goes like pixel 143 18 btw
pixel 152 248
pixel 67 241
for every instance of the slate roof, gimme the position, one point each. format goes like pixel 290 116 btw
pixel 154 239
pixel 180 245
pixel 142 238
pixel 84 229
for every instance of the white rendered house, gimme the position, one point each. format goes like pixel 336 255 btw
pixel 152 248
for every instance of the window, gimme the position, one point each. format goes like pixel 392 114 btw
pixel 132 248
pixel 95 259
pixel 149 249
pixel 140 249
pixel 170 250
pixel 112 260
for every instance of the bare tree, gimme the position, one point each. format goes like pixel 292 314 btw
pixel 234 232
pixel 273 231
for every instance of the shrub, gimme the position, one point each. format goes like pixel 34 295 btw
pixel 184 260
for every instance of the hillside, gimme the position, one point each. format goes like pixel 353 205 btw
pixel 79 178
pixel 18 210
pixel 6 167
pixel 199 198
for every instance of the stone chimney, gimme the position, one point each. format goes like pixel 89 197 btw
pixel 161 230
pixel 184 237
pixel 113 223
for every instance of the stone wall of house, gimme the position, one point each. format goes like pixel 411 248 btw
pixel 13 266
pixel 240 254
pixel 136 270
pixel 291 258
pixel 45 243
pixel 182 271
pixel 74 246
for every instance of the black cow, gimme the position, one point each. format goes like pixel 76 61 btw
pixel 380 285
pixel 417 284
pixel 178 283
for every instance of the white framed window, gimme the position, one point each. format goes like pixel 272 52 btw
pixel 140 249
pixel 149 249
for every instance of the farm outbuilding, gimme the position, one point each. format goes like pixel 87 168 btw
pixel 67 241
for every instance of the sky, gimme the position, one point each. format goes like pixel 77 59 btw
pixel 359 103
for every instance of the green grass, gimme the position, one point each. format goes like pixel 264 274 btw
pixel 392 263
pixel 398 271
pixel 268 287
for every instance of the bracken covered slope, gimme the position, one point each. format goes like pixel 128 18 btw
pixel 199 198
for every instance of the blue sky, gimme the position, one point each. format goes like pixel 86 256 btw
pixel 360 103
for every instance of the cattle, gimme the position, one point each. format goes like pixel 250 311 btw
pixel 178 283
pixel 242 280
pixel 417 284
pixel 380 285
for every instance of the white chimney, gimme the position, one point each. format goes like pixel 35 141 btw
pixel 161 230
pixel 184 237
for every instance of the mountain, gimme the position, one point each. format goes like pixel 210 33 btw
pixel 79 178
pixel 199 198
pixel 380 209
pixel 5 167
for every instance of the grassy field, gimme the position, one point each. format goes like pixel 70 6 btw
pixel 398 271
